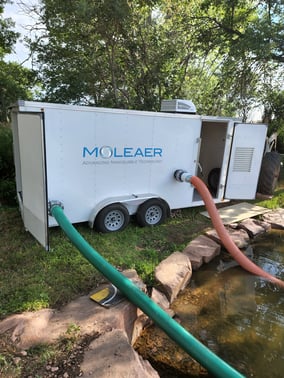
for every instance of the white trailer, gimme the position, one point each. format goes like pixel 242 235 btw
pixel 105 165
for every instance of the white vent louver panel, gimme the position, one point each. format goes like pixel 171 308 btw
pixel 243 159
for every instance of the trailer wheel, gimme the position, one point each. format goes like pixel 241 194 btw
pixel 112 218
pixel 152 212
pixel 269 173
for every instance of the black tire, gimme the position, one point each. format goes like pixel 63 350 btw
pixel 269 173
pixel 213 179
pixel 112 218
pixel 152 212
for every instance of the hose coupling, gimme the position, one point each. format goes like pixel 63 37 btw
pixel 182 176
pixel 51 204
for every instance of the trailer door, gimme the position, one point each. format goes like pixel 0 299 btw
pixel 245 161
pixel 32 178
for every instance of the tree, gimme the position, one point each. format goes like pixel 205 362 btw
pixel 132 54
pixel 124 64
pixel 7 36
pixel 15 81
pixel 274 115
pixel 221 78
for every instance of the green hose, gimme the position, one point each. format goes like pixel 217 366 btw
pixel 176 332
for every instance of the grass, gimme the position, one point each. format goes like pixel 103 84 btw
pixel 31 278
pixel 276 202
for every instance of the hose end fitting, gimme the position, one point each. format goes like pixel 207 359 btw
pixel 182 176
pixel 51 204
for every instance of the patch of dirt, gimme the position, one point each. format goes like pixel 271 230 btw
pixel 60 360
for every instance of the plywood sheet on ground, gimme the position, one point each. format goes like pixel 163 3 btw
pixel 238 212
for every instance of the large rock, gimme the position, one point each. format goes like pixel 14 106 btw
pixel 143 320
pixel 46 326
pixel 240 237
pixel 132 275
pixel 140 323
pixel 254 227
pixel 162 301
pixel 201 250
pixel 111 355
pixel 174 274
pixel 275 218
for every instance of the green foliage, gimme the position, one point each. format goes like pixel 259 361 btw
pixel 71 336
pixel 122 65
pixel 8 192
pixel 7 36
pixel 133 54
pixel 7 171
pixel 6 153
pixel 16 82
pixel 7 366
pixel 274 115
pixel 224 55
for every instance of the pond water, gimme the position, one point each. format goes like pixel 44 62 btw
pixel 238 316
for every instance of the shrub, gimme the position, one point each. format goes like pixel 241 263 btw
pixel 7 170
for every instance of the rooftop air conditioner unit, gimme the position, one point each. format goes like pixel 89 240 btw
pixel 178 106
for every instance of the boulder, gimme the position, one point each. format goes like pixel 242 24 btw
pixel 275 218
pixel 239 236
pixel 173 274
pixel 201 250
pixel 254 227
pixel 111 355
pixel 143 320
pixel 47 325
pixel 132 275
pixel 162 301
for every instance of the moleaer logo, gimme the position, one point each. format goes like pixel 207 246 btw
pixel 107 152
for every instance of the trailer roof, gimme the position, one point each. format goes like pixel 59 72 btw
pixel 34 106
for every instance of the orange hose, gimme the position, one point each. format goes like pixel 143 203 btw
pixel 228 243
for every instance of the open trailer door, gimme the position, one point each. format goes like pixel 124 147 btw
pixel 245 160
pixel 29 156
